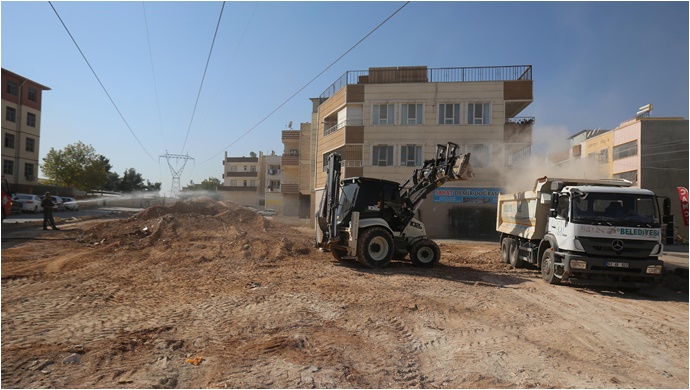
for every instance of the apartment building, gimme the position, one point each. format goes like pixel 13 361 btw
pixel 21 129
pixel 242 180
pixel 385 122
pixel 652 152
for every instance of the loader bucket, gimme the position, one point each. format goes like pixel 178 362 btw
pixel 462 169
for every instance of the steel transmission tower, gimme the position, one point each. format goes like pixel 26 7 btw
pixel 176 173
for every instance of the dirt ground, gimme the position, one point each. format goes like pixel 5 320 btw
pixel 205 294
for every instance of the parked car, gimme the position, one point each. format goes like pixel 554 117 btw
pixel 268 212
pixel 70 203
pixel 29 202
pixel 16 206
pixel 58 203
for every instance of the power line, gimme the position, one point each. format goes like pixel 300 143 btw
pixel 99 81
pixel 203 77
pixel 311 81
pixel 153 73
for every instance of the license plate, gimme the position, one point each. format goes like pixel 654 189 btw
pixel 619 265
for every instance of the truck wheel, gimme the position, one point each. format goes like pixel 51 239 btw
pixel 548 268
pixel 505 250
pixel 375 247
pixel 425 253
pixel 514 260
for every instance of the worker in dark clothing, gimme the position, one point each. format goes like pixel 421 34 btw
pixel 47 205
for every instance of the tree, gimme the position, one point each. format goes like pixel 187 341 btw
pixel 77 165
pixel 210 184
pixel 131 181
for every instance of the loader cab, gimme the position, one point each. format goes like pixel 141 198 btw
pixel 372 198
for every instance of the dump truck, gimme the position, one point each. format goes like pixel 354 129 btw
pixel 373 220
pixel 584 231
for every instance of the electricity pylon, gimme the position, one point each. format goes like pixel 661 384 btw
pixel 176 173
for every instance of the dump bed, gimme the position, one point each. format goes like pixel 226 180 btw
pixel 523 214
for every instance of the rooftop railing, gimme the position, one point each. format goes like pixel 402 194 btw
pixel 436 75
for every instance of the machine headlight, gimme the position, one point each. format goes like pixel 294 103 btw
pixel 655 269
pixel 578 264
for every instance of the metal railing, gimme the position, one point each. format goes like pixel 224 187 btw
pixel 520 120
pixel 350 122
pixel 439 75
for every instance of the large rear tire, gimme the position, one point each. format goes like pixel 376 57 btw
pixel 425 253
pixel 514 259
pixel 548 267
pixel 505 249
pixel 375 247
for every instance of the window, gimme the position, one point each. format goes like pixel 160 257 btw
pixel 412 114
pixel 233 168
pixel 480 156
pixel 625 150
pixel 31 119
pixel 630 175
pixel 449 114
pixel 252 168
pixel 9 140
pixel 8 167
pixel 411 155
pixel 33 95
pixel 11 114
pixel 233 183
pixel 11 87
pixel 383 114
pixel 252 183
pixel 382 156
pixel 245 168
pixel 30 143
pixel 478 113
pixel 29 171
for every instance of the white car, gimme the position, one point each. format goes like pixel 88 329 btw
pixel 30 203
pixel 70 203
pixel 268 212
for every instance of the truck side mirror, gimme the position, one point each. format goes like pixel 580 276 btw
pixel 554 201
pixel 667 206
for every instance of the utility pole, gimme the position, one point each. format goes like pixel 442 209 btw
pixel 176 173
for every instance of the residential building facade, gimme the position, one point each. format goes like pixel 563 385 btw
pixel 241 180
pixel 21 129
pixel 385 122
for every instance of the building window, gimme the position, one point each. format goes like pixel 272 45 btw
pixel 252 168
pixel 33 95
pixel 411 155
pixel 384 114
pixel 245 168
pixel 29 171
pixel 11 87
pixel 625 150
pixel 233 168
pixel 252 183
pixel 9 140
pixel 449 114
pixel 478 113
pixel 629 175
pixel 382 156
pixel 30 144
pixel 412 114
pixel 480 155
pixel 233 183
pixel 8 167
pixel 31 119
pixel 11 114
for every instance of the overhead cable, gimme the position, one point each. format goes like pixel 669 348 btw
pixel 203 77
pixel 99 82
pixel 306 85
pixel 153 73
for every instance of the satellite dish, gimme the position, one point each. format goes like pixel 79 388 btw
pixel 290 125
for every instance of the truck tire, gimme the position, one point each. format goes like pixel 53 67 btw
pixel 548 267
pixel 505 249
pixel 375 247
pixel 514 259
pixel 425 253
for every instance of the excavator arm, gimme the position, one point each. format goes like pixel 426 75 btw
pixel 327 229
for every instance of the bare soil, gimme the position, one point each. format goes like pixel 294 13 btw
pixel 205 294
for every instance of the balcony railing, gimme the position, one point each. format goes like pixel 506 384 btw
pixel 526 120
pixel 290 160
pixel 350 122
pixel 289 188
pixel 439 75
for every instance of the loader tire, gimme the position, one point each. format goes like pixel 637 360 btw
pixel 375 247
pixel 505 249
pixel 514 259
pixel 425 253
pixel 548 267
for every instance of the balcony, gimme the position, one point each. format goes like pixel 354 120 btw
pixel 289 188
pixel 290 135
pixel 238 188
pixel 518 130
pixel 290 160
pixel 241 174
pixel 330 128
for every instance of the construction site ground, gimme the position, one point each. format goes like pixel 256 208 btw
pixel 205 294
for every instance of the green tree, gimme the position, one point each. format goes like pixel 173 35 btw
pixel 210 184
pixel 131 181
pixel 77 165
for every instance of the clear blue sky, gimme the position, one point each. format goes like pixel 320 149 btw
pixel 594 64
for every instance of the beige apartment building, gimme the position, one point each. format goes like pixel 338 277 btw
pixel 242 180
pixel 21 130
pixel 385 122
pixel 652 152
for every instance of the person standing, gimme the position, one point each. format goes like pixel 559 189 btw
pixel 47 205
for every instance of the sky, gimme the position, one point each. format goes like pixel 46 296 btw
pixel 184 78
